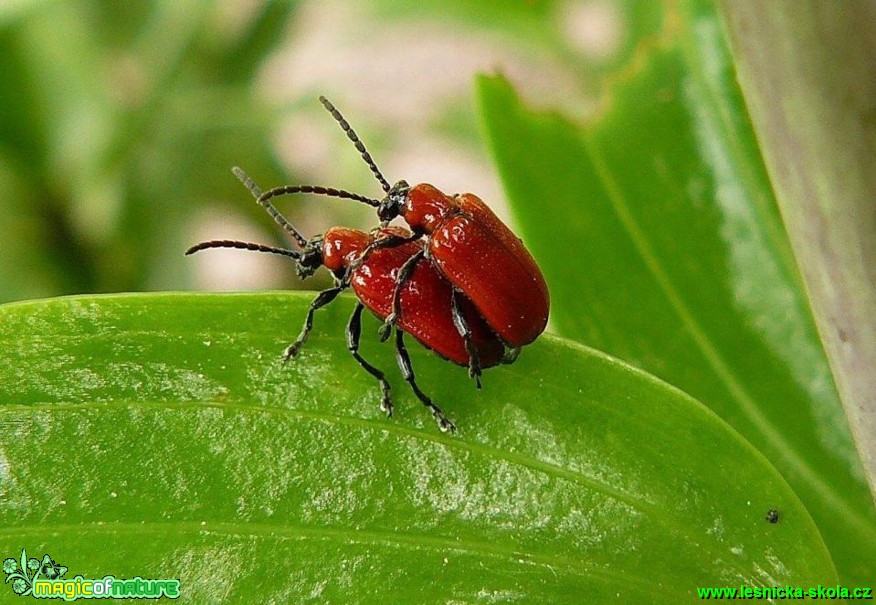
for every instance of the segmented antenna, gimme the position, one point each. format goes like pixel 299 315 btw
pixel 227 243
pixel 281 220
pixel 250 184
pixel 318 190
pixel 360 146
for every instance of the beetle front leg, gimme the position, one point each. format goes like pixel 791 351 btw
pixel 404 363
pixel 474 363
pixel 321 300
pixel 388 241
pixel 404 274
pixel 354 330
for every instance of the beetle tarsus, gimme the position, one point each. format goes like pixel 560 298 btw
pixel 386 328
pixel 510 355
pixel 445 425
pixel 291 351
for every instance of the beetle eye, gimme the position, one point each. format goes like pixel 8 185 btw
pixel 311 258
pixel 387 211
pixel 391 206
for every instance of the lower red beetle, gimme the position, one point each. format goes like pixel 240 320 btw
pixel 468 244
pixel 384 271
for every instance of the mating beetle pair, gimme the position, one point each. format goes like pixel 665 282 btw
pixel 460 282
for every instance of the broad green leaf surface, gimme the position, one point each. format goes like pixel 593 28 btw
pixel 161 436
pixel 658 234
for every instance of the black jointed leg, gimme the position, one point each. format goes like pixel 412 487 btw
pixel 474 363
pixel 321 300
pixel 404 274
pixel 354 330
pixel 404 363
pixel 386 241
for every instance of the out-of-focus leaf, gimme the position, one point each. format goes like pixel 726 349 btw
pixel 119 120
pixel 807 75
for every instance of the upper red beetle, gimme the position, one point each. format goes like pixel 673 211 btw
pixel 479 255
pixel 432 311
pixel 469 245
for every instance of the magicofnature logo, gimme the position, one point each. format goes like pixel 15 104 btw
pixel 45 580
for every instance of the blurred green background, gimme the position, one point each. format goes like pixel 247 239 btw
pixel 121 120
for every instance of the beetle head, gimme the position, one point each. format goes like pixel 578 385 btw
pixel 392 205
pixel 311 257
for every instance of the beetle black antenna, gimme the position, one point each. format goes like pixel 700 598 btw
pixel 250 184
pixel 281 220
pixel 318 190
pixel 360 146
pixel 227 243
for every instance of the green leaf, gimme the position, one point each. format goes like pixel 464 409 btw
pixel 659 237
pixel 161 436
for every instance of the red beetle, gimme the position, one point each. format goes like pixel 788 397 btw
pixel 432 311
pixel 468 244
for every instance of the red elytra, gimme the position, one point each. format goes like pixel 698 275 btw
pixel 385 278
pixel 425 296
pixel 469 244
pixel 479 255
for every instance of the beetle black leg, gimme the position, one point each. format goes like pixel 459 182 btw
pixel 404 363
pixel 321 300
pixel 387 241
pixel 403 275
pixel 474 362
pixel 354 330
